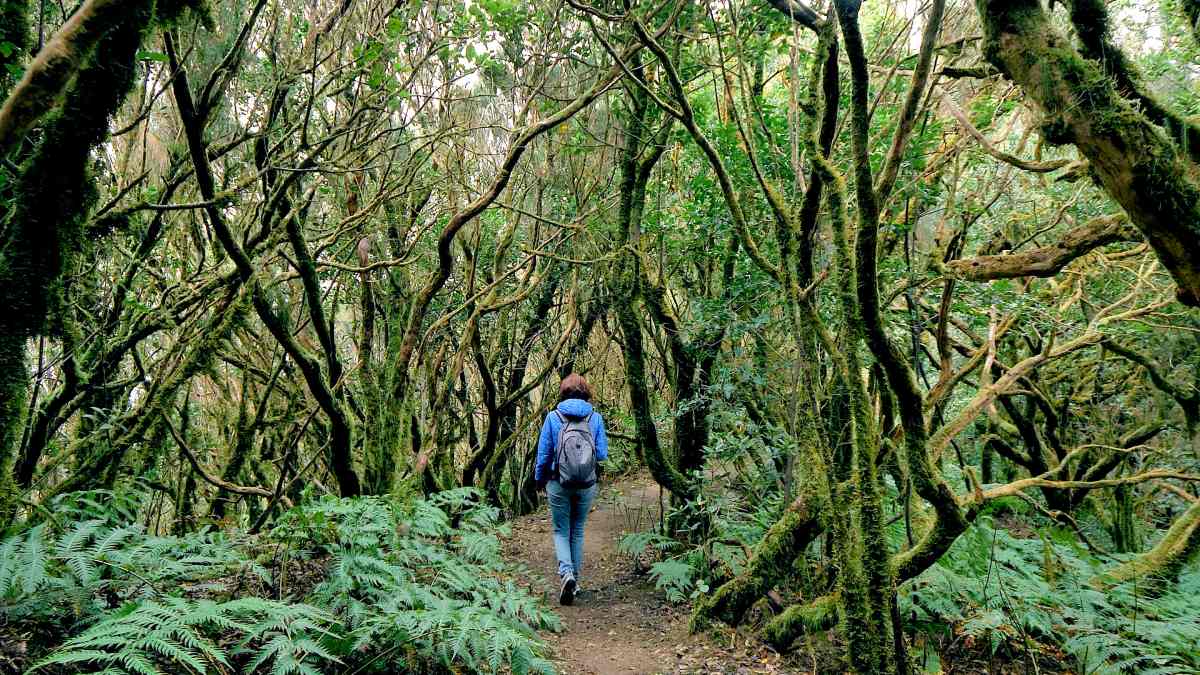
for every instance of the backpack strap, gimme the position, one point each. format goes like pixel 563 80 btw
pixel 562 429
pixel 588 419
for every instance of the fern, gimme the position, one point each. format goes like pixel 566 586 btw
pixel 994 586
pixel 456 633
pixel 177 634
pixel 404 582
pixel 636 543
pixel 139 637
pixel 289 637
pixel 406 586
pixel 23 564
pixel 674 577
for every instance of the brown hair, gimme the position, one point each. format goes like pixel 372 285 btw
pixel 574 386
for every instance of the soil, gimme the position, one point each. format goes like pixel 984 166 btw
pixel 620 623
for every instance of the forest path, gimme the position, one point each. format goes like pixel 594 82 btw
pixel 621 623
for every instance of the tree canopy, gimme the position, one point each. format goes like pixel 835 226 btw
pixel 855 283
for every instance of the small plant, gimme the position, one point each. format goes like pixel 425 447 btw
pixel 414 586
pixel 180 634
pixel 994 587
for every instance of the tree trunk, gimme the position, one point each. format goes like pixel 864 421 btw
pixel 1137 165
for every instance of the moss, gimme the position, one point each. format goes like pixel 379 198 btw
pixel 660 464
pixel 1161 565
pixel 14 395
pixel 771 562
pixel 801 619
pixel 1125 535
pixel 14 41
pixel 859 619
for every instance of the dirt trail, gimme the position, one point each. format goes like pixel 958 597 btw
pixel 620 623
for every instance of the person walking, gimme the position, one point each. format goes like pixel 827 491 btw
pixel 570 447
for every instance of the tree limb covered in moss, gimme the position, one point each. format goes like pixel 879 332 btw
pixel 687 116
pixel 630 285
pixel 1046 261
pixel 63 56
pixel 1134 161
pixel 928 483
pixel 787 539
pixel 103 467
pixel 42 233
pixel 801 619
pixel 1010 489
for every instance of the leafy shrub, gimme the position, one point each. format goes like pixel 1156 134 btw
pixel 998 588
pixel 406 582
pixel 413 587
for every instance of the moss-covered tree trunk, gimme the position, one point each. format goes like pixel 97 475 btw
pixel 14 395
pixel 627 286
pixel 769 565
pixel 14 368
pixel 809 513
pixel 52 194
pixel 1161 565
pixel 1133 159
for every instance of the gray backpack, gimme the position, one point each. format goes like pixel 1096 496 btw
pixel 576 453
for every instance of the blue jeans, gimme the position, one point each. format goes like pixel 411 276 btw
pixel 568 512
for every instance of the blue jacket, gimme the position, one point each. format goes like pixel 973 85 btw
pixel 548 441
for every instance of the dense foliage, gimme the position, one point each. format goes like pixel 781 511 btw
pixel 337 585
pixel 896 300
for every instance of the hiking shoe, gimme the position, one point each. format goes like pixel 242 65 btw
pixel 566 594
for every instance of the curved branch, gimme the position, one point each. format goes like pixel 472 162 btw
pixel 1011 489
pixel 797 11
pixel 1023 164
pixel 951 521
pixel 1046 261
pixel 213 480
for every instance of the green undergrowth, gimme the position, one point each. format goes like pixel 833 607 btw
pixel 732 525
pixel 1017 598
pixel 1014 589
pixel 356 585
